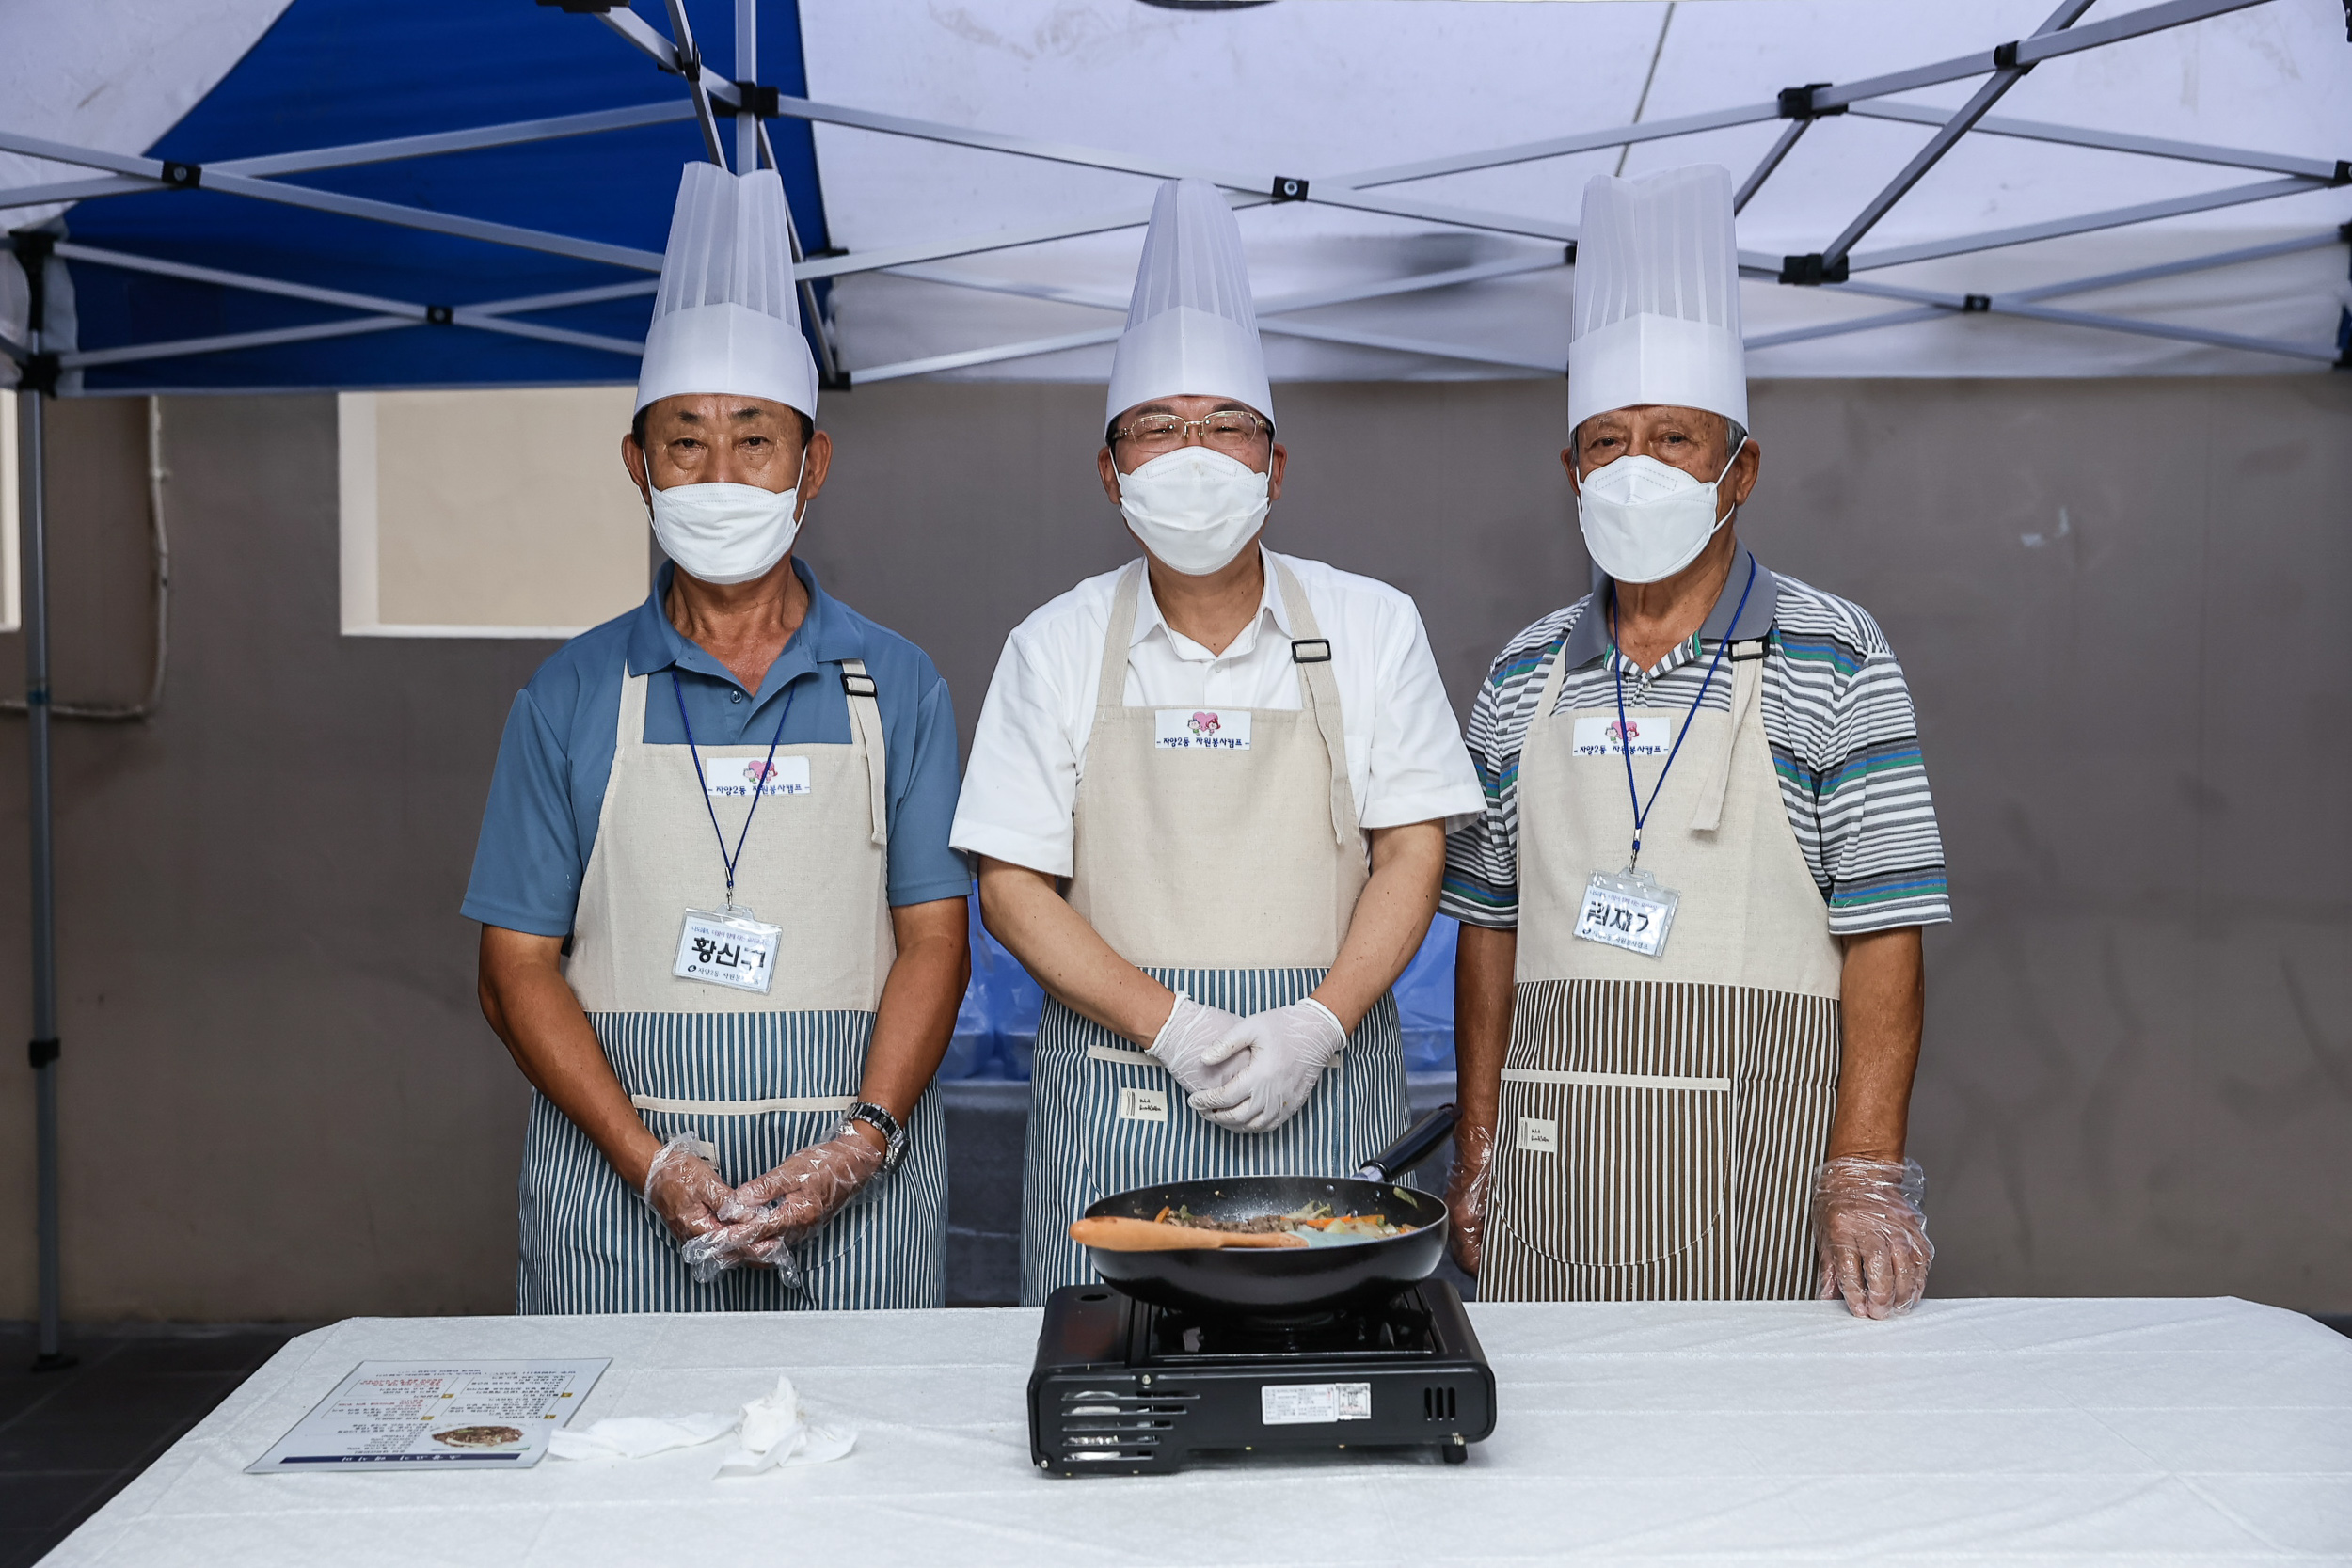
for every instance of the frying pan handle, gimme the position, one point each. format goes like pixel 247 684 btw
pixel 1419 1141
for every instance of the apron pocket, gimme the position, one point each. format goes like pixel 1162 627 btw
pixel 1611 1170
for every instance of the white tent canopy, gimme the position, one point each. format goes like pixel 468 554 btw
pixel 2060 219
pixel 1314 89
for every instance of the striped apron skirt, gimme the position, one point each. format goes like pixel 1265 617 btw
pixel 1661 1117
pixel 752 1078
pixel 1227 872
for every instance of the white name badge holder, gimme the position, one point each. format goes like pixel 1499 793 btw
pixel 1628 909
pixel 730 945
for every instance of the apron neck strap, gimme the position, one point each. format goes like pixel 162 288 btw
pixel 1747 678
pixel 1319 694
pixel 865 724
pixel 1111 691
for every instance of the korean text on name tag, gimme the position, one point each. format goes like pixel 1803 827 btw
pixel 1178 729
pixel 739 776
pixel 1644 734
pixel 1629 910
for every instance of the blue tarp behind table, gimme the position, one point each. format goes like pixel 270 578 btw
pixel 332 72
pixel 997 1025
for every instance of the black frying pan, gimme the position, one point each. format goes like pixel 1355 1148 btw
pixel 1281 1282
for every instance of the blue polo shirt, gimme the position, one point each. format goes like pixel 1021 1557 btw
pixel 556 757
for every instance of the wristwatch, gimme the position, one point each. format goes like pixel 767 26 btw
pixel 893 1136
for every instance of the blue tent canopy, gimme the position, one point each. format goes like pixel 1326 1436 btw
pixel 346 71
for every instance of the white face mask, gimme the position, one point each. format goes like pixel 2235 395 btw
pixel 1195 508
pixel 1644 520
pixel 724 534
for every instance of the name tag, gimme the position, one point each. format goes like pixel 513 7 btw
pixel 1201 729
pixel 1629 910
pixel 740 777
pixel 728 948
pixel 1143 1104
pixel 1538 1135
pixel 1644 734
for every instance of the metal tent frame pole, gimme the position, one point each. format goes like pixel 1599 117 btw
pixel 711 96
pixel 38 382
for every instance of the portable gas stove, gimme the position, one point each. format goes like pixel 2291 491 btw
pixel 1122 1387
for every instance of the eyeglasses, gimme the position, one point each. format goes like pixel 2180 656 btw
pixel 1228 429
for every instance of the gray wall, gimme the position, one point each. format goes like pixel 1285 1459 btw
pixel 280 1100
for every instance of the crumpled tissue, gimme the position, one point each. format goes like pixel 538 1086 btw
pixel 771 1431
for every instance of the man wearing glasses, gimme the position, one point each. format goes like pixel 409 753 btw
pixel 1209 795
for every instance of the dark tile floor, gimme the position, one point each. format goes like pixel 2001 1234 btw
pixel 70 1439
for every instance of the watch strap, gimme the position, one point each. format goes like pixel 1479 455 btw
pixel 881 1120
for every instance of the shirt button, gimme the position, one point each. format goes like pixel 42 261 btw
pixel 734 696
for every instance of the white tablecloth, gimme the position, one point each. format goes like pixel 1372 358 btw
pixel 1973 1432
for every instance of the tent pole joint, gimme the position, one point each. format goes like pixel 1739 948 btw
pixel 766 102
pixel 1975 304
pixel 1797 103
pixel 39 1053
pixel 182 177
pixel 2005 58
pixel 1288 188
pixel 1811 272
pixel 39 374
pixel 2344 166
pixel 39 370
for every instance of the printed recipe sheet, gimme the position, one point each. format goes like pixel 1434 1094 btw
pixel 496 1413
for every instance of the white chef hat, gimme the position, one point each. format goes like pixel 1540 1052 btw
pixel 1191 329
pixel 728 317
pixel 1658 296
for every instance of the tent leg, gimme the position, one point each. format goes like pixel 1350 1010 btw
pixel 42 864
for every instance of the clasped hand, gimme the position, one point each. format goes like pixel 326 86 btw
pixel 1269 1064
pixel 758 1222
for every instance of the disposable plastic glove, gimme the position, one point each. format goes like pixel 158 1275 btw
pixel 1875 1250
pixel 683 1189
pixel 767 1214
pixel 1288 1049
pixel 1183 1044
pixel 1465 1194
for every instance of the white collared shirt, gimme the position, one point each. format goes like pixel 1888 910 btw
pixel 1406 759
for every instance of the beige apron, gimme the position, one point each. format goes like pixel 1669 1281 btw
pixel 1229 876
pixel 1660 1117
pixel 753 1077
pixel 816 864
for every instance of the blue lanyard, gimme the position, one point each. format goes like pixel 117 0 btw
pixel 1625 742
pixel 766 772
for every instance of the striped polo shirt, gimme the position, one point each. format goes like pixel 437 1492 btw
pixel 1838 716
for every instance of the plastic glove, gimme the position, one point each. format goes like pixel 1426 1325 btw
pixel 1465 1194
pixel 766 1215
pixel 684 1190
pixel 1287 1049
pixel 1185 1039
pixel 1875 1250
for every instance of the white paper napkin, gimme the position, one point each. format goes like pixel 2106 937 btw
pixel 771 1431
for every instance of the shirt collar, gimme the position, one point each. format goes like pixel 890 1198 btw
pixel 827 635
pixel 1589 640
pixel 1149 619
